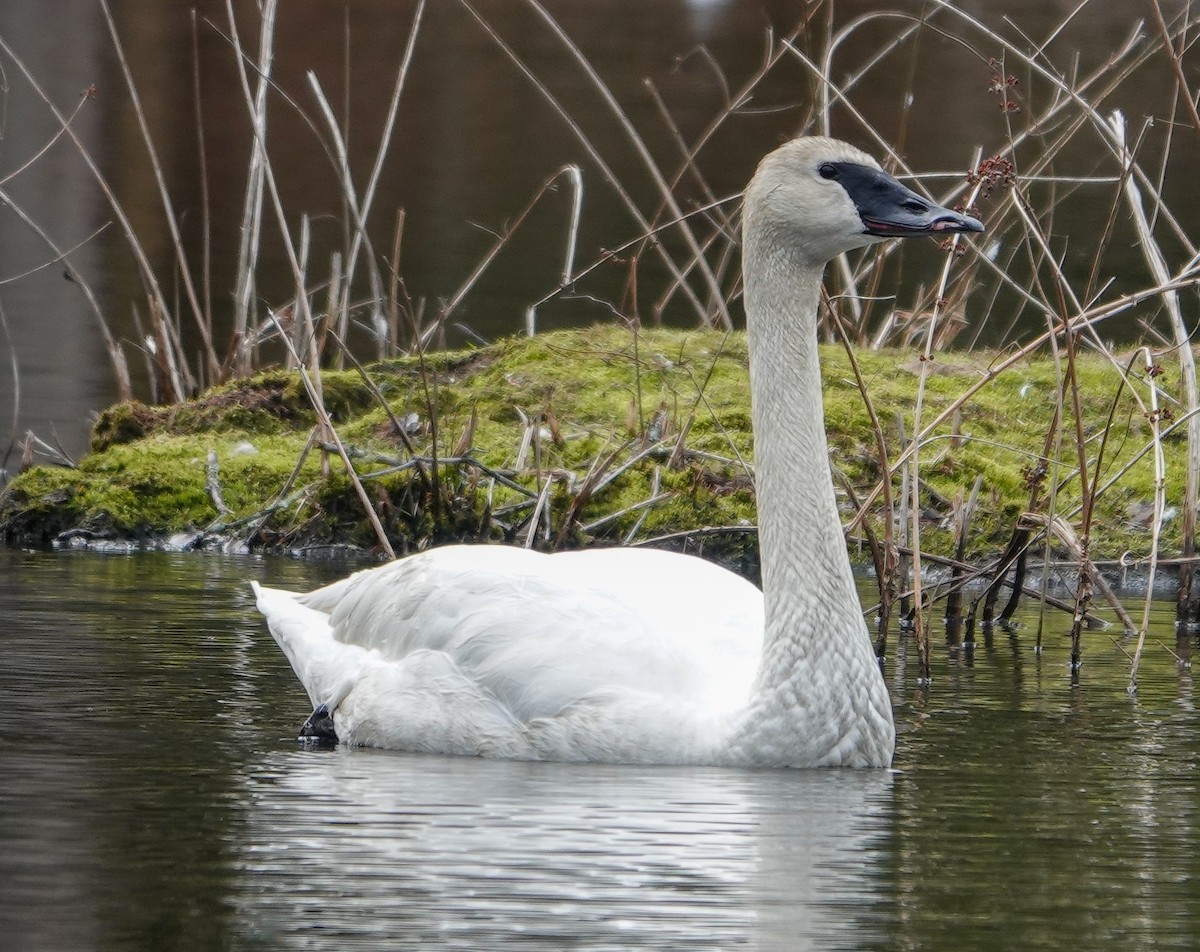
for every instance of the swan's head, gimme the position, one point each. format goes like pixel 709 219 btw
pixel 319 729
pixel 822 197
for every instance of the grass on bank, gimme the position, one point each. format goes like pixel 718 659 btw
pixel 541 424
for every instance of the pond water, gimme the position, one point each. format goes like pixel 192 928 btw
pixel 153 797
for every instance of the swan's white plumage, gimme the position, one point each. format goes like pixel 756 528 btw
pixel 529 654
pixel 642 656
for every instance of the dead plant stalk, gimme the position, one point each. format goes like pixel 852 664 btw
pixel 919 633
pixel 212 364
pixel 680 220
pixel 252 206
pixel 1156 262
pixel 1156 523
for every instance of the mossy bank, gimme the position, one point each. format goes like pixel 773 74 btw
pixel 578 437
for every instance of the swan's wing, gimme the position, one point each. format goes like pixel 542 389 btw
pixel 705 609
pixel 327 668
pixel 425 703
pixel 421 702
pixel 542 632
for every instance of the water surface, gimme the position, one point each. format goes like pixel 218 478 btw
pixel 153 797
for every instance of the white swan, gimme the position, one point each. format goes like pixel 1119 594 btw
pixel 640 656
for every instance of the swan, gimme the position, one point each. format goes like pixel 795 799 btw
pixel 637 655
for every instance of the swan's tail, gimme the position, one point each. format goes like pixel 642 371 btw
pixel 327 668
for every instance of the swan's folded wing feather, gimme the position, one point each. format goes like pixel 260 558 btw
pixel 426 703
pixel 327 668
pixel 542 631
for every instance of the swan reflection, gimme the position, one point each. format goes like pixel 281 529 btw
pixel 469 853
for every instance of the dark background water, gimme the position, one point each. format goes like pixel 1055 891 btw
pixel 153 797
pixel 473 143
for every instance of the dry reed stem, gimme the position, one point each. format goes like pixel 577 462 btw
pixel 397 425
pixel 357 213
pixel 49 143
pixel 181 262
pixel 304 318
pixel 734 103
pixel 1137 457
pixel 681 451
pixel 971 573
pixel 1156 524
pixel 647 504
pixel 116 356
pixel 205 204
pixel 687 535
pixel 385 136
pixel 1176 59
pixel 160 308
pixel 615 253
pixel 541 505
pixel 599 465
pixel 326 427
pixel 1041 122
pixel 1089 317
pixel 687 165
pixel 252 206
pixel 922 639
pixel 647 159
pixel 163 346
pixel 723 229
pixel 1156 262
pixel 574 178
pixel 887 560
pixel 1088 576
pixel 594 154
pixel 394 284
pixel 610 474
pixel 33 445
pixel 15 368
pixel 284 497
pixel 1089 573
pixel 503 477
pixel 1052 461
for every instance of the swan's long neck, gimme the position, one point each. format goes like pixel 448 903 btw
pixel 819 688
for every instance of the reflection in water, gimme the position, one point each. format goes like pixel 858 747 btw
pixel 152 796
pixel 477 854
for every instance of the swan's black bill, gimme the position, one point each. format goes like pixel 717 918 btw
pixel 318 730
pixel 889 209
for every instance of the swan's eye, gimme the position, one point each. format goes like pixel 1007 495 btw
pixel 827 171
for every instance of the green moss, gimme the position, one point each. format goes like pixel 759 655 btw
pixel 561 406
